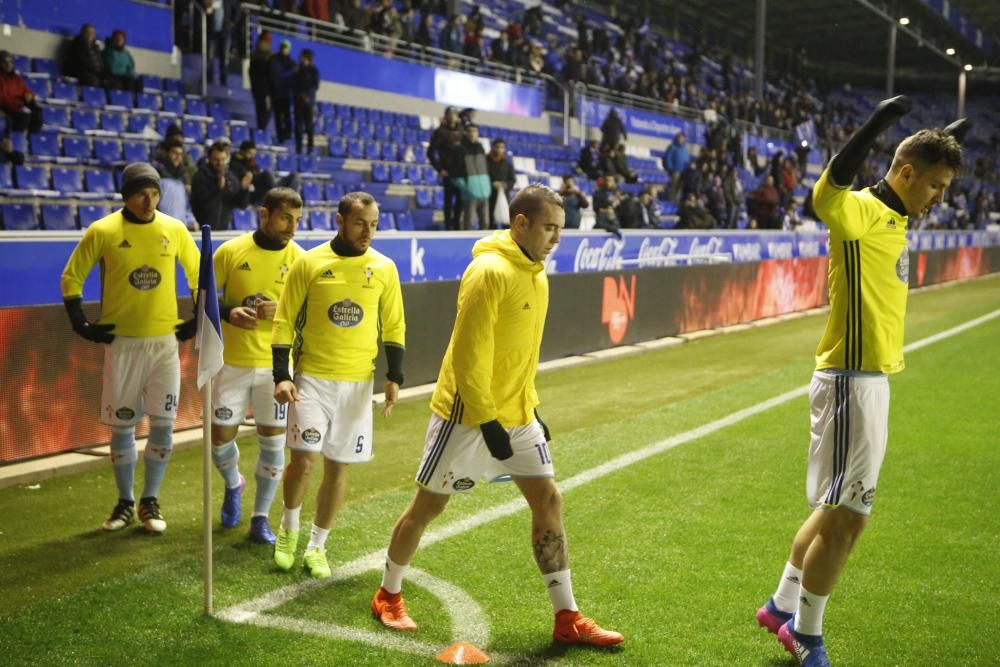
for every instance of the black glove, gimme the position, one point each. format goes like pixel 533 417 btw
pixel 187 330
pixel 959 129
pixel 95 333
pixel 545 427
pixel 497 440
pixel 846 164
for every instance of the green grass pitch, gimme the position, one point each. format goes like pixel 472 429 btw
pixel 676 551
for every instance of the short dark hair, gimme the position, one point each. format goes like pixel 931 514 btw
pixel 171 144
pixel 247 144
pixel 307 53
pixel 498 141
pixel 928 148
pixel 346 203
pixel 531 201
pixel 276 197
pixel 220 147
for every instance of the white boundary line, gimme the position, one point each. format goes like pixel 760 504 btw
pixel 253 611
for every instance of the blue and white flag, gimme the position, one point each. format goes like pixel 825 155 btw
pixel 208 342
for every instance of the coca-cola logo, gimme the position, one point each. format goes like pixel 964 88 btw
pixel 144 278
pixel 604 257
pixel 345 313
pixel 618 306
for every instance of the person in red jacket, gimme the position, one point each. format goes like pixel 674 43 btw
pixel 16 100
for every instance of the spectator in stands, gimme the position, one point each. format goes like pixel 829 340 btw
pixel 423 33
pixel 245 160
pixel 475 181
pixel 573 67
pixel 791 220
pixel 715 201
pixel 444 152
pixel 83 58
pixel 217 39
pixel 500 49
pixel 607 197
pixel 282 88
pixel 574 200
pixel 215 190
pixel 692 214
pixel 640 212
pixel 467 117
pixel 317 9
pixel 8 154
pixel 675 159
pixel 118 63
pixel 17 102
pixel 260 79
pixel 590 160
pixel 161 155
pixel 450 38
pixel 732 188
pixel 764 203
pixel 613 162
pixel 174 196
pixel 354 16
pixel 613 130
pixel 305 85
pixel 691 179
pixel 501 172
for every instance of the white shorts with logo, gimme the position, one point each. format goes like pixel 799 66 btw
pixel 236 387
pixel 332 417
pixel 849 417
pixel 141 375
pixel 456 457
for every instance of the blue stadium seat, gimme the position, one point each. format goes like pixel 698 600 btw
pixel 76 147
pixel 6 179
pixel 360 114
pixel 196 107
pixel 307 163
pixel 396 134
pixel 286 162
pixel 404 221
pixel 31 178
pixel 99 181
pixel 414 173
pixel 355 149
pixel 107 151
pixel 57 116
pixel 319 219
pixel 333 191
pixel 386 221
pixel 121 98
pixel 265 160
pixel 94 97
pixel 89 213
pixel 394 203
pixel 135 151
pixel 312 192
pixel 349 129
pixel 262 137
pixel 380 172
pixel 58 217
pixel 19 217
pixel 439 198
pixel 423 220
pixel 217 111
pixel 148 101
pixel 163 123
pixel 45 144
pixel 425 198
pixel 174 86
pixel 396 173
pixel 337 146
pixel 152 82
pixel 64 90
pixel 215 131
pixel 372 149
pixel 196 151
pixel 194 129
pixel 383 133
pixel 46 66
pixel 238 134
pixel 113 121
pixel 173 103
pixel 67 179
pixel 84 119
pixel 138 122
pixel 390 151
pixel 244 219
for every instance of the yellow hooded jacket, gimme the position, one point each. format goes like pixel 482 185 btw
pixel 488 371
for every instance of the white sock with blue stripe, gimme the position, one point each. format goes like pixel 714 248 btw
pixel 227 461
pixel 159 446
pixel 123 458
pixel 270 468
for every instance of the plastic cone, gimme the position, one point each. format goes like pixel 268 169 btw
pixel 463 653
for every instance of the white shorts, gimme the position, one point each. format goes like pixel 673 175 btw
pixel 456 457
pixel 235 387
pixel 849 417
pixel 332 417
pixel 141 375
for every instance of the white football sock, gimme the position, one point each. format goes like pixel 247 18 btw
pixel 392 576
pixel 809 617
pixel 786 598
pixel 317 537
pixel 290 518
pixel 560 588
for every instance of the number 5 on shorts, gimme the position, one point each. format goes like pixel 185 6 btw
pixel 360 445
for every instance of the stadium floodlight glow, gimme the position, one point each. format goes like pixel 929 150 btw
pixel 904 21
pixel 968 68
pixel 950 51
pixel 804 144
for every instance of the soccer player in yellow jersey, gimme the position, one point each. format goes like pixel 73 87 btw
pixel 338 299
pixel 138 249
pixel 862 345
pixel 251 271
pixel 483 421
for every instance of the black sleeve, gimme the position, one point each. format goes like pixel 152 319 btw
pixel 394 359
pixel 279 363
pixel 846 164
pixel 224 311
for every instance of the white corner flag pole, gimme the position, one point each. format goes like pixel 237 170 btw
pixel 206 418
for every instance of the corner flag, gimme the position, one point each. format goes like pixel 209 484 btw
pixel 208 342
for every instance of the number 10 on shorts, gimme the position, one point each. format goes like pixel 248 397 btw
pixel 543 453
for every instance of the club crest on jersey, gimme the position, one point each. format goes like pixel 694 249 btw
pixel 124 413
pixel 310 436
pixel 144 278
pixel 903 266
pixel 869 497
pixel 463 484
pixel 368 276
pixel 345 313
pixel 223 413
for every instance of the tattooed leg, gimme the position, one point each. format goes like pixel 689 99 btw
pixel 548 538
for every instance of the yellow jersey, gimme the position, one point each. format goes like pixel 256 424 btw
pixel 868 277
pixel 138 263
pixel 334 309
pixel 488 371
pixel 249 267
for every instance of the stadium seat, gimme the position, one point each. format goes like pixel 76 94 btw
pixel 174 86
pixel 19 217
pixel 307 163
pixel 89 213
pixel 319 219
pixel 172 103
pixel 337 146
pixel 99 181
pixel 84 120
pixel 120 98
pixel 63 90
pixel 76 147
pixel 390 151
pixel 333 191
pixel 244 219
pixel 45 144
pixel 194 129
pixel 349 129
pixel 138 122
pixel 439 198
pixel 414 173
pixel 196 107
pixel 380 172
pixel 386 221
pixel 56 116
pixel 112 121
pixel 262 137
pixel 46 66
pixel 312 193
pixel 217 111
pixel 148 101
pixel 163 123
pixel 372 149
pixel 238 134
pixel 215 131
pixel 423 220
pixel 404 221
pixel 152 82
pixel 107 151
pixel 135 151
pixel 396 173
pixel 58 217
pixel 31 178
pixel 67 180
pixel 6 179
pixel 286 162
pixel 425 198
pixel 93 97
pixel 394 203
pixel 355 149
pixel 265 160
